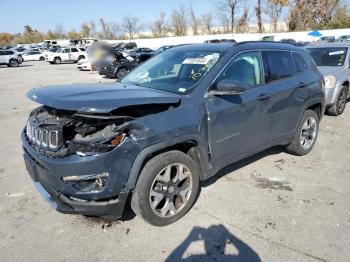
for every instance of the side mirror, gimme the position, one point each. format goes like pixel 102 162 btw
pixel 228 87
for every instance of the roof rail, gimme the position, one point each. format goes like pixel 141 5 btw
pixel 268 42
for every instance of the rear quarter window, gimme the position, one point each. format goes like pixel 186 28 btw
pixel 299 61
pixel 309 62
pixel 278 65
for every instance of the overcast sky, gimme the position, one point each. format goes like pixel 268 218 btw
pixel 45 14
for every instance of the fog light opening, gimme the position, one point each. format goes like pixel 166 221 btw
pixel 88 183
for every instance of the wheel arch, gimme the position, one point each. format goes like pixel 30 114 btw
pixel 186 144
pixel 317 107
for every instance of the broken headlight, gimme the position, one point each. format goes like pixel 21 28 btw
pixel 99 145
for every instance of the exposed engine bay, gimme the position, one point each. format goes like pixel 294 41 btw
pixel 59 133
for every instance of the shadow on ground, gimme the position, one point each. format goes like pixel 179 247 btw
pixel 219 245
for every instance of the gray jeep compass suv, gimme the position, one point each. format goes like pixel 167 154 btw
pixel 170 123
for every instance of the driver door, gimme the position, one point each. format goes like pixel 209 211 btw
pixel 238 124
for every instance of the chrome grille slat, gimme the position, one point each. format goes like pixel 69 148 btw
pixel 41 137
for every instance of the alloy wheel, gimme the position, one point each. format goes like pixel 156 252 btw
pixel 308 133
pixel 171 190
pixel 342 101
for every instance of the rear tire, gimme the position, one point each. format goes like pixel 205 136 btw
pixel 81 57
pixel 57 60
pixel 42 58
pixel 166 189
pixel 338 108
pixel 13 63
pixel 306 134
pixel 20 59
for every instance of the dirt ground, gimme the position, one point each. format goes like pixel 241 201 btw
pixel 270 207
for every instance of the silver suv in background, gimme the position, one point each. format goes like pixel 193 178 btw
pixel 333 61
pixel 9 58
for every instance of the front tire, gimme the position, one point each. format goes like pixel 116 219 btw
pixel 338 108
pixel 57 60
pixel 121 73
pixel 42 58
pixel 166 189
pixel 306 134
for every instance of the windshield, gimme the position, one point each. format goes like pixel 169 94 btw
pixel 175 71
pixel 329 56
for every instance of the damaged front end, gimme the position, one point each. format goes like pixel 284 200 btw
pixel 60 133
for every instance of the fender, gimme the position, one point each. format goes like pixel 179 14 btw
pixel 309 104
pixel 141 157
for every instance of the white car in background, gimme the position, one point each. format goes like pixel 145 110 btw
pixel 33 55
pixel 84 65
pixel 66 54
pixel 9 58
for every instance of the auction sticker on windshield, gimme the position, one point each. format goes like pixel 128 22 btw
pixel 337 52
pixel 198 60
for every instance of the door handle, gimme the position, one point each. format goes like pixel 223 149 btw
pixel 264 96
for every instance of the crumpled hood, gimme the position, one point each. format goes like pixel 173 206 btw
pixel 99 98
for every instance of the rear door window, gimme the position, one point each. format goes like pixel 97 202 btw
pixel 278 65
pixel 299 61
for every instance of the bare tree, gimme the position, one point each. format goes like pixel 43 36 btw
pixel 73 35
pixel 179 21
pixel 242 24
pixel 106 32
pixel 207 23
pixel 274 8
pixel 115 30
pixel 258 16
pixel 160 27
pixel 85 30
pixel 131 26
pixel 60 31
pixel 93 31
pixel 194 21
pixel 226 10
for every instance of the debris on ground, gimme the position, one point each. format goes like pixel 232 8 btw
pixel 271 183
pixel 270 225
pixel 106 225
pixel 279 163
pixel 14 194
pixel 280 199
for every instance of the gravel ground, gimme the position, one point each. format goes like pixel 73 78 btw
pixel 270 207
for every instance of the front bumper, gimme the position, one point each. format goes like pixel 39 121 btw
pixel 47 175
pixel 65 205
